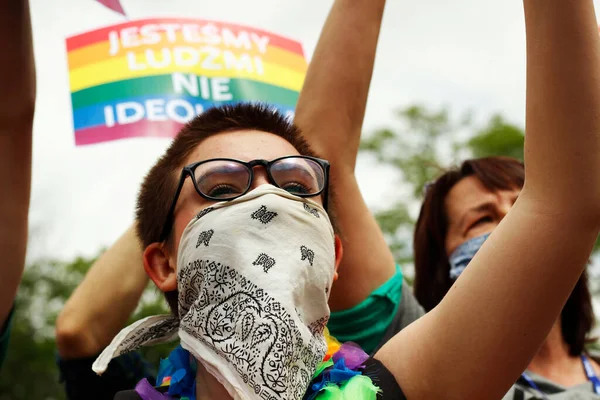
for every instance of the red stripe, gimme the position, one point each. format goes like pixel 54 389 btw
pixel 100 35
pixel 144 128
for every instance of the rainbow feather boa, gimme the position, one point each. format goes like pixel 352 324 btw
pixel 338 377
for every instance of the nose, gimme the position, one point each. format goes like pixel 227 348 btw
pixel 503 206
pixel 260 177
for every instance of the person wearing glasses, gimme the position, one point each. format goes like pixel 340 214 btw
pixel 253 257
pixel 17 104
pixel 245 251
pixel 370 301
pixel 460 210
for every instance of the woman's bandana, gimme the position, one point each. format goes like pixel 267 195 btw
pixel 254 276
pixel 462 256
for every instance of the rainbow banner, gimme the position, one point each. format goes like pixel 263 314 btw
pixel 149 77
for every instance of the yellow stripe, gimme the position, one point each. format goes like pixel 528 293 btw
pixel 99 51
pixel 117 69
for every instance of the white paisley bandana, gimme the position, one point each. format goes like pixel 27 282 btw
pixel 253 276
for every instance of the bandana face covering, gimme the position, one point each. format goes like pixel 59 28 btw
pixel 464 253
pixel 254 276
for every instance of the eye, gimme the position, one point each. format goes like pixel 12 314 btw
pixel 482 220
pixel 297 188
pixel 223 191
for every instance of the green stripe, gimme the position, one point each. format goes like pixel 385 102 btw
pixel 241 89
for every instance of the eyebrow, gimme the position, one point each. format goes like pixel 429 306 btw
pixel 487 206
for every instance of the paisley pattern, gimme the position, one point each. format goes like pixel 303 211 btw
pixel 307 254
pixel 151 334
pixel 317 327
pixel 310 210
pixel 204 212
pixel 263 215
pixel 250 303
pixel 250 329
pixel 204 238
pixel 265 261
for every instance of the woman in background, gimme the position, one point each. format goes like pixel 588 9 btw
pixel 461 208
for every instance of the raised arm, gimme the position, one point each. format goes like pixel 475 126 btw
pixel 482 335
pixel 330 113
pixel 115 282
pixel 17 104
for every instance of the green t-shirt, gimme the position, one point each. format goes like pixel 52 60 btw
pixel 384 313
pixel 4 337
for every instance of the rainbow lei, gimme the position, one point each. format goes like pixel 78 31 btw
pixel 338 377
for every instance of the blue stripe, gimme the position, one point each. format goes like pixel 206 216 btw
pixel 91 116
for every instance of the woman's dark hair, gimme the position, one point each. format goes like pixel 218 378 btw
pixel 432 270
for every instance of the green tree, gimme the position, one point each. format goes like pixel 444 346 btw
pixel 30 371
pixel 425 143
pixel 498 138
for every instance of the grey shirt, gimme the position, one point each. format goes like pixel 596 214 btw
pixel 408 311
pixel 553 391
pixel 522 391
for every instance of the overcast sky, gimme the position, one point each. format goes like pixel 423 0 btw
pixel 466 54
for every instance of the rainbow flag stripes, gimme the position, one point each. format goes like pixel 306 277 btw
pixel 149 77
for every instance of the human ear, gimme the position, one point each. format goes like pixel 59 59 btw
pixel 339 252
pixel 158 267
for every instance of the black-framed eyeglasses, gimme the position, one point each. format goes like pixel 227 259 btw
pixel 226 179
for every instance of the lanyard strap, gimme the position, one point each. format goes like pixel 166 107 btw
pixel 532 384
pixel 589 373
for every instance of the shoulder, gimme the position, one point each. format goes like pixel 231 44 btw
pixel 594 355
pixel 517 392
pixel 124 372
pixel 384 380
pixel 374 369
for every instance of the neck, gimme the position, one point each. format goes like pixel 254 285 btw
pixel 208 387
pixel 554 349
pixel 554 362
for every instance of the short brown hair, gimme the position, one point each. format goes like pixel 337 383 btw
pixel 159 185
pixel 432 269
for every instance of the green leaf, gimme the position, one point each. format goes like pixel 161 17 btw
pixel 425 142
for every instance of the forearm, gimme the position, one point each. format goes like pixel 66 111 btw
pixel 104 301
pixel 17 103
pixel 367 262
pixel 332 103
pixel 330 113
pixel 562 143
